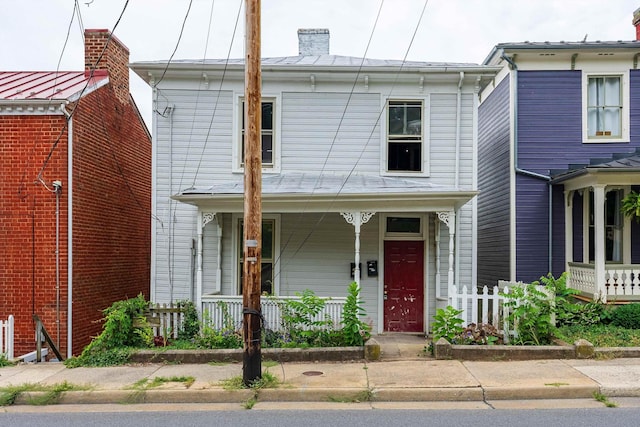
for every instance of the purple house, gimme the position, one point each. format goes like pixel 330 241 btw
pixel 558 149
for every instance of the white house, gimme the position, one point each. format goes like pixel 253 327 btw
pixel 367 163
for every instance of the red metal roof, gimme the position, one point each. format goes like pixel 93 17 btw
pixel 46 84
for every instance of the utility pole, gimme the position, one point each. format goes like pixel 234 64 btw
pixel 252 250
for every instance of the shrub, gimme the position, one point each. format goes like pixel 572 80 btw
pixel 447 324
pixel 626 316
pixel 125 326
pixel 190 325
pixel 354 330
pixel 530 312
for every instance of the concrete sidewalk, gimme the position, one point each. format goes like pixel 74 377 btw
pixel 416 380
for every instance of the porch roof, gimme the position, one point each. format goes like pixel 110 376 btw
pixel 620 164
pixel 294 192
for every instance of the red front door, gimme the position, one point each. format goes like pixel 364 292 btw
pixel 404 286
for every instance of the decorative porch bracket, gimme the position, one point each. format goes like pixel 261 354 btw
pixel 449 219
pixel 357 219
pixel 203 219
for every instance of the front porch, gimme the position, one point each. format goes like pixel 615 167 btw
pixel 619 281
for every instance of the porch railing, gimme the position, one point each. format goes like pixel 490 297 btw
pixel 6 337
pixel 620 280
pixel 218 309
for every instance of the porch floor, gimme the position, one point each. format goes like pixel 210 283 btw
pixel 406 346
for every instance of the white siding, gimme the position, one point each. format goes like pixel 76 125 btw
pixel 330 132
pixel 192 148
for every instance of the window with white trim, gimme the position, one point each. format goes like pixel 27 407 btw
pixel 267 133
pixel 405 140
pixel 604 106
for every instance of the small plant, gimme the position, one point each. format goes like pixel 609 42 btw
pixel 604 400
pixel 4 361
pixel 447 324
pixel 355 331
pixel 626 316
pixel 530 312
pixel 190 326
pixel 227 337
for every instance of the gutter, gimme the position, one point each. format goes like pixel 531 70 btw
pixel 525 172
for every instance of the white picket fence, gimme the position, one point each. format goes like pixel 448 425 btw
pixel 483 307
pixel 6 337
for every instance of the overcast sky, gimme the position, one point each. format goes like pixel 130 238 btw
pixel 33 32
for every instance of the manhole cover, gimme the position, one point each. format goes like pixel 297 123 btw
pixel 312 373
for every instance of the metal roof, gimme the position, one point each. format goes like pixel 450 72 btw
pixel 323 184
pixel 46 85
pixel 629 162
pixel 316 61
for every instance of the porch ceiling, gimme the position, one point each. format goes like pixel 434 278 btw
pixel 296 192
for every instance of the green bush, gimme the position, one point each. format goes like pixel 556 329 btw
pixel 354 330
pixel 125 327
pixel 447 324
pixel 626 316
pixel 190 325
pixel 530 311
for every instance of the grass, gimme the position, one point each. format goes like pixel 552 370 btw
pixel 50 393
pixel 145 384
pixel 604 400
pixel 5 362
pixel 362 396
pixel 600 335
pixel 268 380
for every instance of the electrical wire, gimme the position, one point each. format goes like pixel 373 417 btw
pixel 184 21
pixel 404 59
pixel 215 107
pixel 72 112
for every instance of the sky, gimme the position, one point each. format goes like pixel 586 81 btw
pixel 33 32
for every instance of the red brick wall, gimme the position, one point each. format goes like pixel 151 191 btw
pixel 111 209
pixel 28 226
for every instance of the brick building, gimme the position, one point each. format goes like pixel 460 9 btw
pixel 75 202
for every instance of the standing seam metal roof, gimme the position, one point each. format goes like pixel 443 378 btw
pixel 42 85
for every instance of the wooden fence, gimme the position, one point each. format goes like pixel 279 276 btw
pixel 6 337
pixel 165 320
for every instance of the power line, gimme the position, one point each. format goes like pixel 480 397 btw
pixel 92 71
pixel 404 59
pixel 184 21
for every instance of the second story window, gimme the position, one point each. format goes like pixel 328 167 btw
pixel 604 107
pixel 404 136
pixel 266 134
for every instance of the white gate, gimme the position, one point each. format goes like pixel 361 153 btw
pixel 6 337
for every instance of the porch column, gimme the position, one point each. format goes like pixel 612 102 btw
pixel 357 219
pixel 599 237
pixel 204 218
pixel 437 240
pixel 449 218
pixel 568 229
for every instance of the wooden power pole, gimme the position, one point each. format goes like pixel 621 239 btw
pixel 252 238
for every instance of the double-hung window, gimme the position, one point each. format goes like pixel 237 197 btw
pixel 267 133
pixel 405 148
pixel 604 106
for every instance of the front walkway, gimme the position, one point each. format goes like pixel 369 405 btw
pixel 402 346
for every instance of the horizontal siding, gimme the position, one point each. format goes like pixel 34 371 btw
pixel 442 139
pixel 550 121
pixel 330 132
pixel 532 228
pixel 493 185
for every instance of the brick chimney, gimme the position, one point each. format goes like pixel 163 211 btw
pixel 313 41
pixel 636 22
pixel 114 61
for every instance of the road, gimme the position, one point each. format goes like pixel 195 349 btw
pixel 362 417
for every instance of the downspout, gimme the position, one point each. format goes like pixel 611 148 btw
pixel 525 172
pixel 457 173
pixel 69 231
